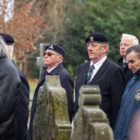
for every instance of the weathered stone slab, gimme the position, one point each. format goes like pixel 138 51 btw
pixel 90 122
pixel 51 120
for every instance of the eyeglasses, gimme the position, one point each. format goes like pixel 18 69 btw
pixel 49 54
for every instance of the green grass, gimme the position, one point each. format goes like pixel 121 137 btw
pixel 33 84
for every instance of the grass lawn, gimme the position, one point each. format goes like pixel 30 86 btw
pixel 33 84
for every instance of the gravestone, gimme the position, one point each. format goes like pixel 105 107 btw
pixel 90 122
pixel 51 121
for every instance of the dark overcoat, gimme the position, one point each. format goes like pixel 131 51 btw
pixel 23 110
pixel 127 72
pixel 111 82
pixel 67 83
pixel 9 93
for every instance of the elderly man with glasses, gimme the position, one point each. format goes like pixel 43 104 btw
pixel 54 55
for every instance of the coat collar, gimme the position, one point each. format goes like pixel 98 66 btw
pixel 56 70
pixel 137 73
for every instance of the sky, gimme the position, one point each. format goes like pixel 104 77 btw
pixel 9 10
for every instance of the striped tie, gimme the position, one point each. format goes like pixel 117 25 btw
pixel 47 73
pixel 88 80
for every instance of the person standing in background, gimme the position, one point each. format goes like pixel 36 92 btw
pixel 54 55
pixel 104 73
pixel 127 41
pixel 23 102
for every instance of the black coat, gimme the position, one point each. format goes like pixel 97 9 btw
pixel 66 82
pixel 127 72
pixel 9 93
pixel 23 110
pixel 111 82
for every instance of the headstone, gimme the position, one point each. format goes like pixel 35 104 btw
pixel 51 121
pixel 90 122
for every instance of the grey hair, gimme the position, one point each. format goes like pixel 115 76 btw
pixel 132 37
pixel 3 47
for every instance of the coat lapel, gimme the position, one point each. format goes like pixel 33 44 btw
pixel 56 70
pixel 42 79
pixel 53 72
pixel 85 71
pixel 100 71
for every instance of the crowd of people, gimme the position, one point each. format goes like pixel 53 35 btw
pixel 119 84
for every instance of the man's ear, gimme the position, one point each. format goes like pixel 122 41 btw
pixel 106 48
pixel 60 58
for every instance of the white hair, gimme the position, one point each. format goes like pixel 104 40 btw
pixel 131 37
pixel 10 50
pixel 3 47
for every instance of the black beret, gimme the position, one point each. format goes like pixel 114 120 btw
pixel 97 37
pixel 57 48
pixel 7 38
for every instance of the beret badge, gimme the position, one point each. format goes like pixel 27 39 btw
pixel 91 38
pixel 51 47
pixel 137 95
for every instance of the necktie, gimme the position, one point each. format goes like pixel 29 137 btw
pixel 125 64
pixel 47 73
pixel 88 80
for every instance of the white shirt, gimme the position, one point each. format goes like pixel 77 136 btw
pixel 97 66
pixel 49 70
pixel 124 61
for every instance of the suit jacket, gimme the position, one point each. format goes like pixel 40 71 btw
pixel 127 72
pixel 22 110
pixel 67 83
pixel 111 82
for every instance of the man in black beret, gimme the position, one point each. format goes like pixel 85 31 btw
pixel 104 73
pixel 23 100
pixel 54 55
